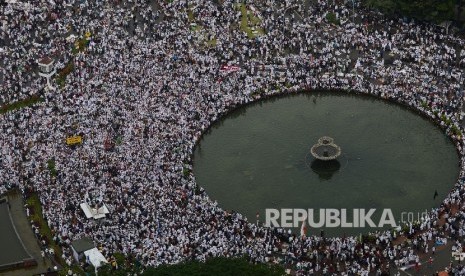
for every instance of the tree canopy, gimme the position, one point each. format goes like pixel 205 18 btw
pixel 436 11
pixel 217 266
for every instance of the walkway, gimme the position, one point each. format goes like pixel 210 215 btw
pixel 27 236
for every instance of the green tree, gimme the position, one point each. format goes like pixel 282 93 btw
pixel 216 266
pixel 436 11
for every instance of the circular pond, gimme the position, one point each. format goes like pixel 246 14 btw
pixel 257 158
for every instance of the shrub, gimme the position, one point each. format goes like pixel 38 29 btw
pixel 331 17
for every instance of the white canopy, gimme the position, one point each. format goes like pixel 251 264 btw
pixel 458 256
pixel 94 257
pixel 71 38
pixel 93 212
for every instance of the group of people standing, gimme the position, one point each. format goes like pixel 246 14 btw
pixel 155 74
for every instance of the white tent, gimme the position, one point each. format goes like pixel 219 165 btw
pixel 94 257
pixel 458 256
pixel 93 212
pixel 71 38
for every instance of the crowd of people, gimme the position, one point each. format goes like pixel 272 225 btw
pixel 155 74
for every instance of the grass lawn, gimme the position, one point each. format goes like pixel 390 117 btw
pixel 190 14
pixel 212 42
pixel 80 45
pixel 191 18
pixel 20 104
pixel 61 77
pixel 250 22
pixel 37 216
pixel 198 28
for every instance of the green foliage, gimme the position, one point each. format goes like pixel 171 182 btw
pixel 185 172
pixel 443 117
pixel 369 238
pixel 119 257
pixel 51 167
pixel 425 105
pixel 250 24
pixel 20 104
pixel 257 92
pixel 387 6
pixel 331 17
pixel 64 73
pixel 119 140
pixel 126 266
pixel 108 270
pixel 436 11
pixel 455 130
pixel 217 266
pixel 37 217
pixel 80 45
pixel 190 15
pixel 212 42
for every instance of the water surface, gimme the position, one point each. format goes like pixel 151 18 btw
pixel 257 157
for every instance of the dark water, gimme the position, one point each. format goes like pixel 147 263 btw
pixel 257 158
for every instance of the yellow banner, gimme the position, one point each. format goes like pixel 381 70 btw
pixel 73 140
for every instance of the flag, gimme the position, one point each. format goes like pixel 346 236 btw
pixel 227 68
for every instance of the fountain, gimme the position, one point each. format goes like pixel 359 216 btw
pixel 325 149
